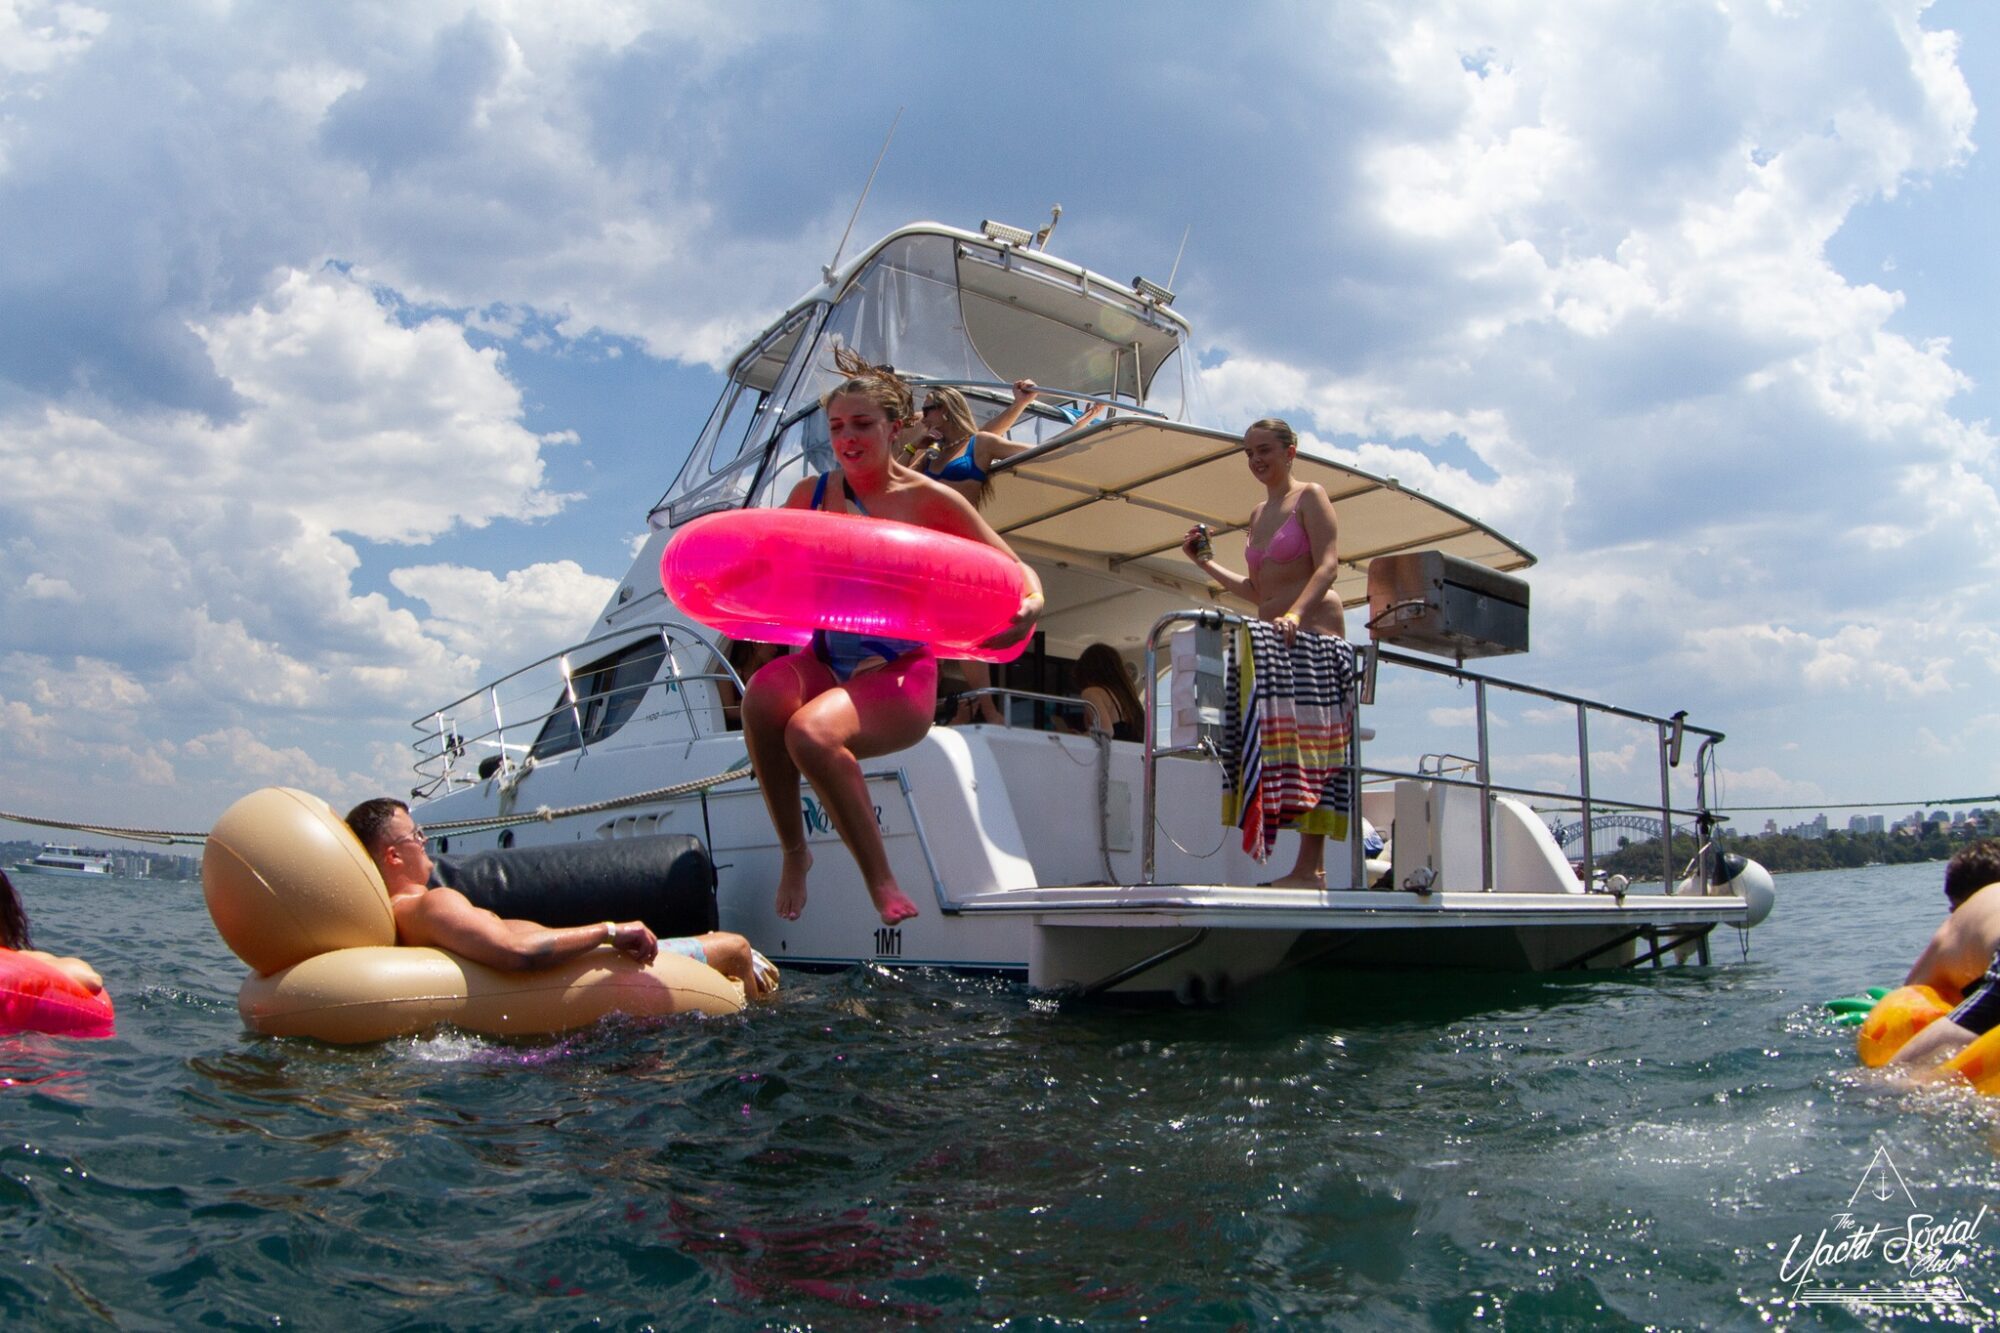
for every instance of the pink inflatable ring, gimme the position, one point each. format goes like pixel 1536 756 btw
pixel 776 575
pixel 38 996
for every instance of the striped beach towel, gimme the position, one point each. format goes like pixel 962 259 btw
pixel 1287 720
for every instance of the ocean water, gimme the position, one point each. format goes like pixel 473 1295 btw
pixel 871 1149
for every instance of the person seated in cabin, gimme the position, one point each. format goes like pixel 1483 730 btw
pixel 1962 958
pixel 1103 684
pixel 444 918
pixel 746 656
pixel 14 935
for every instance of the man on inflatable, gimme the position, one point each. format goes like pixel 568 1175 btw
pixel 1962 958
pixel 444 918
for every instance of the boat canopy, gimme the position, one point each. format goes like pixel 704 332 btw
pixel 1112 502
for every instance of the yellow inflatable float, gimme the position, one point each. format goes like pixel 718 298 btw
pixel 296 896
pixel 1908 1010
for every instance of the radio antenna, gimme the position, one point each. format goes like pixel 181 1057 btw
pixel 1178 253
pixel 831 268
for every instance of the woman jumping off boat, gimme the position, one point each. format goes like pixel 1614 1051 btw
pixel 818 714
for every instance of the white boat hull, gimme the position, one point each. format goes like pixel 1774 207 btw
pixel 995 833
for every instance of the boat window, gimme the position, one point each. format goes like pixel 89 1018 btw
pixel 608 693
pixel 761 376
pixel 761 384
pixel 739 423
pixel 804 450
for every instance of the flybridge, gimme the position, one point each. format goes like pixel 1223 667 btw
pixel 942 306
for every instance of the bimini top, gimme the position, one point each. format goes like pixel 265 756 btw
pixel 1116 499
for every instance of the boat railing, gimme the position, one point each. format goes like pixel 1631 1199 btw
pixel 1002 392
pixel 495 729
pixel 1002 693
pixel 1475 772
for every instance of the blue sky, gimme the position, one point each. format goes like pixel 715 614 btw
pixel 344 347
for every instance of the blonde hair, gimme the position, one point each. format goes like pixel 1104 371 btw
pixel 880 385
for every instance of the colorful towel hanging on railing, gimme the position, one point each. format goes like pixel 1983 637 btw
pixel 1287 722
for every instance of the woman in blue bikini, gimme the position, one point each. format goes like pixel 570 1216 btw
pixel 818 714
pixel 947 447
pixel 1291 545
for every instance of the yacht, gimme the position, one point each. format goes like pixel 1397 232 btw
pixel 1035 850
pixel 70 861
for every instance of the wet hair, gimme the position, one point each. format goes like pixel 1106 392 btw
pixel 370 821
pixel 1100 665
pixel 1975 866
pixel 880 385
pixel 1279 427
pixel 13 917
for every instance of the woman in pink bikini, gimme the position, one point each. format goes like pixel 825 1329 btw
pixel 851 697
pixel 1291 546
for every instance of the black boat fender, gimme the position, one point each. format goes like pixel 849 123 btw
pixel 665 880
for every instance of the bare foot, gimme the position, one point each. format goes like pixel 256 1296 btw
pixel 792 884
pixel 891 903
pixel 1313 880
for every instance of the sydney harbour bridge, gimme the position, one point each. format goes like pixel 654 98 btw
pixel 1638 828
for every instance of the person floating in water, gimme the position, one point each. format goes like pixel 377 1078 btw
pixel 444 918
pixel 1962 958
pixel 818 714
pixel 14 934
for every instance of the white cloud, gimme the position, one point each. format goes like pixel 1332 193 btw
pixel 523 615
pixel 360 425
pixel 35 37
pixel 257 763
pixel 87 686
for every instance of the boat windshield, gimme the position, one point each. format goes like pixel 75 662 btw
pixel 946 307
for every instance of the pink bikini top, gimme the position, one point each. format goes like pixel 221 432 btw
pixel 1289 542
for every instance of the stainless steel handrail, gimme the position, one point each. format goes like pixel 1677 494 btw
pixel 1043 390
pixel 1032 696
pixel 1667 731
pixel 444 737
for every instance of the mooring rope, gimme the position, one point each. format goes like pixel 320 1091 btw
pixel 541 814
pixel 108 830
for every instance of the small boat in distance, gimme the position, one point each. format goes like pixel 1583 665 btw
pixel 71 861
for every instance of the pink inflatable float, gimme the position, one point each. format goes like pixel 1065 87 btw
pixel 776 575
pixel 37 996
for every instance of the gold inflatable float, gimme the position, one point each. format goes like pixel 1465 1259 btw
pixel 296 896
